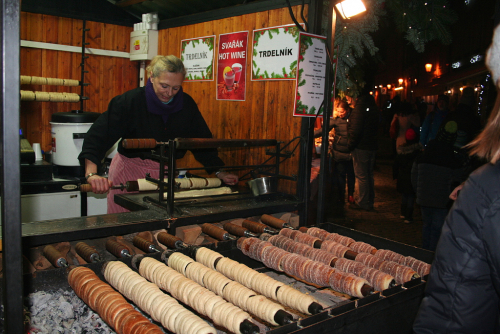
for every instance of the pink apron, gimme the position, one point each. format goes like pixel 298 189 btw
pixel 123 169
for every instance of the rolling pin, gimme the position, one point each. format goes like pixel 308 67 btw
pixel 171 241
pixel 238 230
pixel 129 186
pixel 216 232
pixel 257 227
pixel 275 222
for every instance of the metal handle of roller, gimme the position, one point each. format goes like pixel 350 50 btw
pixel 144 245
pixel 216 232
pixel 88 253
pixel 236 229
pixel 274 222
pixel 169 240
pixel 117 249
pixel 139 143
pixel 54 256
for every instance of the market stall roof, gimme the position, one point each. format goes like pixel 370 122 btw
pixel 171 12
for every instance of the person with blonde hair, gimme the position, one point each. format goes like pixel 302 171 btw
pixel 160 110
pixel 463 290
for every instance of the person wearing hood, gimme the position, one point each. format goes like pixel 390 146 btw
pixel 463 288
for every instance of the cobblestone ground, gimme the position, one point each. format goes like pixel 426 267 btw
pixel 385 222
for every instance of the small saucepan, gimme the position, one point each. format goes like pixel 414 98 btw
pixel 263 185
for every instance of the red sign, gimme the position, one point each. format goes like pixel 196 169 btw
pixel 232 65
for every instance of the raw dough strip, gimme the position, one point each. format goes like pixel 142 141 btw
pixel 201 192
pixel 376 278
pixel 334 247
pixel 421 267
pixel 238 294
pixel 388 255
pixel 151 300
pixel 108 303
pixel 362 247
pixel 267 286
pixel 188 291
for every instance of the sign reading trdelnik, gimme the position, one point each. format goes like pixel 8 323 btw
pixel 198 57
pixel 275 53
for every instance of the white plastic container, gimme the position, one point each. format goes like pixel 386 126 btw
pixel 68 132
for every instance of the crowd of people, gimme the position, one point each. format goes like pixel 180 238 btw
pixel 430 158
pixel 448 163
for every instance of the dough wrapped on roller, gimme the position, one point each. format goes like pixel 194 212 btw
pixel 150 299
pixel 109 304
pixel 265 285
pixel 318 232
pixel 389 255
pixel 334 248
pixel 232 291
pixel 303 268
pixel 193 294
pixel 422 268
pixel 400 272
pixel 376 278
pixel 347 283
pixel 362 247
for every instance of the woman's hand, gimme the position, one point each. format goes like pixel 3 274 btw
pixel 228 178
pixel 100 185
pixel 454 193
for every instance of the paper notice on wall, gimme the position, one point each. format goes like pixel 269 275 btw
pixel 311 69
pixel 197 54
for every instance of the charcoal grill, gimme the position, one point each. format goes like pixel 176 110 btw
pixel 390 311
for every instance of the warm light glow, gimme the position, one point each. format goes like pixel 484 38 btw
pixel 349 8
pixel 400 81
pixel 415 81
pixel 398 88
pixel 461 89
pixel 449 91
pixel 371 93
pixel 428 67
pixel 389 86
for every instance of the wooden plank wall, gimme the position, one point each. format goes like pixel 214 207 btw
pixel 266 113
pixel 107 76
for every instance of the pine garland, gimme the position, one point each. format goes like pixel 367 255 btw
pixel 421 21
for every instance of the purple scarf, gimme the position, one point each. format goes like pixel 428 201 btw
pixel 157 107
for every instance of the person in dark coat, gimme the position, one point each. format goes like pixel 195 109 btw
pixel 434 176
pixel 363 146
pixel 465 116
pixel 343 172
pixel 407 153
pixel 463 291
